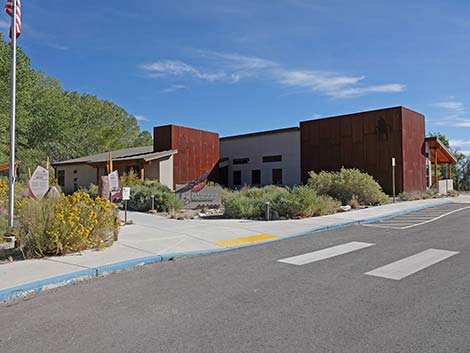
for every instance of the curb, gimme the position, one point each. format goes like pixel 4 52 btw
pixel 57 281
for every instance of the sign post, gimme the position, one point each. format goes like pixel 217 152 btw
pixel 126 196
pixel 393 179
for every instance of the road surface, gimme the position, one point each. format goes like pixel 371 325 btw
pixel 392 287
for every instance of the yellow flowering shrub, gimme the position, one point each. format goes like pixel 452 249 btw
pixel 66 224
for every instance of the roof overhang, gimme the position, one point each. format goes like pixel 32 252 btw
pixel 439 152
pixel 142 158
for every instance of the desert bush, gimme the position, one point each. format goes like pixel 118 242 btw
pixel 348 184
pixel 289 203
pixel 131 178
pixel 91 190
pixel 430 194
pixel 66 224
pixel 141 197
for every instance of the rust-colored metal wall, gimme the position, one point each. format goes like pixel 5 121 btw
pixel 414 154
pixel 367 141
pixel 198 151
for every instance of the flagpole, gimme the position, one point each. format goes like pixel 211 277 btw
pixel 11 195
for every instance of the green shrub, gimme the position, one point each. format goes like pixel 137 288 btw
pixel 348 184
pixel 131 178
pixel 141 198
pixel 65 224
pixel 413 196
pixel 289 203
pixel 302 201
pixel 91 190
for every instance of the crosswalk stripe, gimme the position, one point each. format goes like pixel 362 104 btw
pixel 405 267
pixel 325 253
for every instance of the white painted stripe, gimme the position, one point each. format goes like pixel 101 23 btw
pixel 375 225
pixel 435 219
pixel 325 253
pixel 405 267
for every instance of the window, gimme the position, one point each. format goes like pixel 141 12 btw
pixel 277 176
pixel 256 177
pixel 61 178
pixel 75 184
pixel 269 159
pixel 241 160
pixel 237 177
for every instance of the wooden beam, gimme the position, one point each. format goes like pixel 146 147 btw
pixel 142 171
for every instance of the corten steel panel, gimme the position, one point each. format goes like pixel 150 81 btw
pixel 414 159
pixel 198 151
pixel 366 141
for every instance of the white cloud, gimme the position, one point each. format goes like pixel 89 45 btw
pixel 141 118
pixel 233 67
pixel 461 123
pixel 59 46
pixel 450 105
pixel 173 88
pixel 4 24
pixel 360 91
pixel 461 146
pixel 179 69
pixel 459 143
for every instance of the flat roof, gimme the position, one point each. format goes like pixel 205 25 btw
pixel 362 112
pixel 267 132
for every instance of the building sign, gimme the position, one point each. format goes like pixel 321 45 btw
pixel 38 185
pixel 200 196
pixel 114 189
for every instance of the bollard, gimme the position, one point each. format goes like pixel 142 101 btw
pixel 267 211
pixel 153 203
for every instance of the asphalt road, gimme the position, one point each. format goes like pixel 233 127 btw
pixel 247 301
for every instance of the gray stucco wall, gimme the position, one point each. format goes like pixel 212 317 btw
pixel 254 147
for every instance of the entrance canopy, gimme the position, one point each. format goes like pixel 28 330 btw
pixel 438 153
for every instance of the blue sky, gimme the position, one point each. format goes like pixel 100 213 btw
pixel 245 65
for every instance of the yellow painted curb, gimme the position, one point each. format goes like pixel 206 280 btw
pixel 245 240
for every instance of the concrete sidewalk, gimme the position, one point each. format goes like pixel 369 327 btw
pixel 153 238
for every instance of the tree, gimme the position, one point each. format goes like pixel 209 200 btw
pixel 58 124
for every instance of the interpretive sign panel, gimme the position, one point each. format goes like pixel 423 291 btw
pixel 39 183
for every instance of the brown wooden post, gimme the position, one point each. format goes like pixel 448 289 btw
pixel 436 177
pixel 449 166
pixel 142 171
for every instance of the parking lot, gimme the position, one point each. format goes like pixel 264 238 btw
pixel 417 218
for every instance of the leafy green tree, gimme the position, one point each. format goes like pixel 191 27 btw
pixel 54 123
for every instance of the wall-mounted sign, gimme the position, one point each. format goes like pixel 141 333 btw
pixel 38 185
pixel 126 193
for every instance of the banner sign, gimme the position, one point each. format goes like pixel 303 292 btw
pixel 114 189
pixel 38 185
pixel 200 196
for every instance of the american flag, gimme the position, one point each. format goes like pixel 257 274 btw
pixel 9 11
